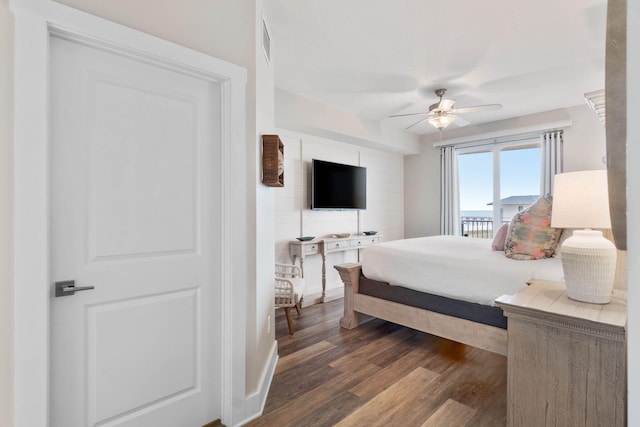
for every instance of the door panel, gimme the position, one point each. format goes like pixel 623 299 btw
pixel 136 131
pixel 135 213
pixel 115 385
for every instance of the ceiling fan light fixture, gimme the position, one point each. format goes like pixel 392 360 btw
pixel 441 121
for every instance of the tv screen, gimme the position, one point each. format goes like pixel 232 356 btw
pixel 335 186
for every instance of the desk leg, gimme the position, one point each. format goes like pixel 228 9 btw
pixel 293 261
pixel 324 276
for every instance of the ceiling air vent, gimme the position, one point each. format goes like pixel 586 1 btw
pixel 266 41
pixel 595 100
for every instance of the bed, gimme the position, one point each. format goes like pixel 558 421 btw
pixel 442 285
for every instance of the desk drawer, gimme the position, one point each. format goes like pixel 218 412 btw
pixel 311 249
pixel 336 245
pixel 365 241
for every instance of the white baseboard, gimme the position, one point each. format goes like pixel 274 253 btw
pixel 254 403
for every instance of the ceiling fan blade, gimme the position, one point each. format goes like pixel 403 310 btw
pixel 416 123
pixel 403 115
pixel 487 107
pixel 459 121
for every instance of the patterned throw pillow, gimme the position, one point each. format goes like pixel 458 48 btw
pixel 500 237
pixel 530 234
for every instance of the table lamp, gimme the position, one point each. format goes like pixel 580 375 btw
pixel 581 200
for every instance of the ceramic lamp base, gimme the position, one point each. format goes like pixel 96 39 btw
pixel 589 263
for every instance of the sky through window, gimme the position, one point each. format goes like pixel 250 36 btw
pixel 519 176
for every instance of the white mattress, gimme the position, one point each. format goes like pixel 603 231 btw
pixel 455 267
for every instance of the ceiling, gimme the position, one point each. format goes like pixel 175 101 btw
pixel 376 58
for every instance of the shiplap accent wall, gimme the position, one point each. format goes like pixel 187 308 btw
pixel 293 216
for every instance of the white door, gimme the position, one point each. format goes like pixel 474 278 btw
pixel 135 214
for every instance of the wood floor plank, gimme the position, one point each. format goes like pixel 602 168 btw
pixel 310 323
pixel 336 409
pixel 377 383
pixel 352 340
pixel 303 355
pixel 484 389
pixel 392 403
pixel 368 353
pixel 472 382
pixel 416 340
pixel 305 337
pixel 450 353
pixel 296 409
pixel 304 333
pixel 452 413
pixel 301 379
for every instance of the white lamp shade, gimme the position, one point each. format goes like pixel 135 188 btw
pixel 581 200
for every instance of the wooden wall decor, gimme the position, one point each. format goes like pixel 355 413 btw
pixel 616 118
pixel 272 161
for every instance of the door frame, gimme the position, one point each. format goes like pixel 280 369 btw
pixel 35 21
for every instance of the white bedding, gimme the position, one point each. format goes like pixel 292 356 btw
pixel 462 268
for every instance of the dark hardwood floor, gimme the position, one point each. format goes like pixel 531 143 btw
pixel 379 374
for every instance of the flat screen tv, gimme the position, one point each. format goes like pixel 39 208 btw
pixel 335 186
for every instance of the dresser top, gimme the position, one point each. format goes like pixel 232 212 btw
pixel 548 300
pixel 334 238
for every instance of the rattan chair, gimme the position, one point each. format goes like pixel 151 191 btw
pixel 289 289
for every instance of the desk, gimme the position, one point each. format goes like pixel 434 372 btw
pixel 566 362
pixel 326 245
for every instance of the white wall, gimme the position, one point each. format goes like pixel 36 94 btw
pixel 422 193
pixel 261 349
pixel 294 218
pixel 220 28
pixel 584 148
pixel 633 210
pixel 300 114
pixel 584 141
pixel 6 224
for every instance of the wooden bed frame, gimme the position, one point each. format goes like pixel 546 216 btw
pixel 360 308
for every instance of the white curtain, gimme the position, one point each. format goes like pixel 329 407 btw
pixel 449 192
pixel 552 162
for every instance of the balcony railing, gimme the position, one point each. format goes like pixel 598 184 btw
pixel 481 228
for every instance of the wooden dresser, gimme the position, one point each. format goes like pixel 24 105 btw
pixel 566 359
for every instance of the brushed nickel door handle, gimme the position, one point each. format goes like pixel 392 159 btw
pixel 68 287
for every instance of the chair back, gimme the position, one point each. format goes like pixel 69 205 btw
pixel 288 271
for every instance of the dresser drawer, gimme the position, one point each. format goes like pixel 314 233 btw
pixel 365 241
pixel 333 245
pixel 311 249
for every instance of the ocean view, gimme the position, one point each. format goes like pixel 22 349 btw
pixel 476 214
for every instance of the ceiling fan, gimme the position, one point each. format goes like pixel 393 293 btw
pixel 442 114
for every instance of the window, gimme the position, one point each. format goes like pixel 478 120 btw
pixel 496 181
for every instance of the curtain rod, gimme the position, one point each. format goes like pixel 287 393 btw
pixel 481 137
pixel 505 140
pixel 530 136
